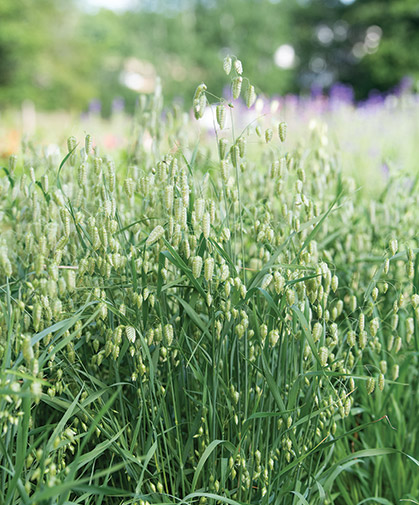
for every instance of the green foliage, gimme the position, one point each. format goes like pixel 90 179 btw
pixel 58 55
pixel 61 57
pixel 41 57
pixel 370 44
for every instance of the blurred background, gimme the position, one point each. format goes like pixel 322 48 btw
pixel 97 56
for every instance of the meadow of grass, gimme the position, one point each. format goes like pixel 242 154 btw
pixel 232 319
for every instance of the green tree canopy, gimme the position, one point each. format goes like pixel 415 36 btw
pixel 370 44
pixel 59 56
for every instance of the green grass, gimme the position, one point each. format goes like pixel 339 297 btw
pixel 131 374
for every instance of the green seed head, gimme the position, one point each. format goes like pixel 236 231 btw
pixel 250 96
pixel 237 86
pixel 393 246
pixel 221 115
pixel 88 144
pixel 208 269
pixel 196 266
pixel 71 143
pixel 238 67
pixel 282 131
pixel 381 382
pixel 370 385
pixel 323 355
pixel 130 332
pixel 227 64
pixel 155 235
pixel 222 147
pixel 268 135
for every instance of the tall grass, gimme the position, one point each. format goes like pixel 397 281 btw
pixel 183 327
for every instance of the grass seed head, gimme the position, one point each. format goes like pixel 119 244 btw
pixel 220 113
pixel 227 64
pixel 237 86
pixel 156 234
pixel 250 96
pixel 370 385
pixel 196 266
pixel 282 131
pixel 238 67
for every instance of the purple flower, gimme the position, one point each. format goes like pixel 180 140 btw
pixel 341 93
pixel 95 106
pixel 404 86
pixel 118 105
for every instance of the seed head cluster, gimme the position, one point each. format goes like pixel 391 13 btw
pixel 206 291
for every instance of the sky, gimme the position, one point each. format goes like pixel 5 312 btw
pixel 116 5
pixel 120 5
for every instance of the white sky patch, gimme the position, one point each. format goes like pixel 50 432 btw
pixel 115 5
pixel 284 56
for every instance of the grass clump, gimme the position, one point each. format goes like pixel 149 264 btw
pixel 179 326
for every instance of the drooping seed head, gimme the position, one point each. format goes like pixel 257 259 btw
pixel 266 281
pixel 351 338
pixel 290 296
pixel 273 337
pixel 199 90
pixel 317 331
pixel 250 96
pixel 155 235
pixel 374 326
pixel 323 355
pixel 238 67
pixel 353 303
pixel 381 382
pixel 227 64
pixel 222 147
pixel 206 225
pixel 361 321
pixel 362 339
pixel 241 142
pixel 393 246
pixel 279 282
pixel 168 333
pixel 168 197
pixel 234 154
pixel 88 144
pixel 220 114
pixel 236 87
pixel 82 175
pixel 208 269
pixel 97 163
pixel 129 187
pixel 268 135
pixel 370 385
pixel 130 332
pixel 71 143
pixel 12 162
pixel 196 266
pixel 282 131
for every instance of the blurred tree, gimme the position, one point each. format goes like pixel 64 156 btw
pixel 60 56
pixel 41 59
pixel 250 30
pixel 186 41
pixel 370 44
